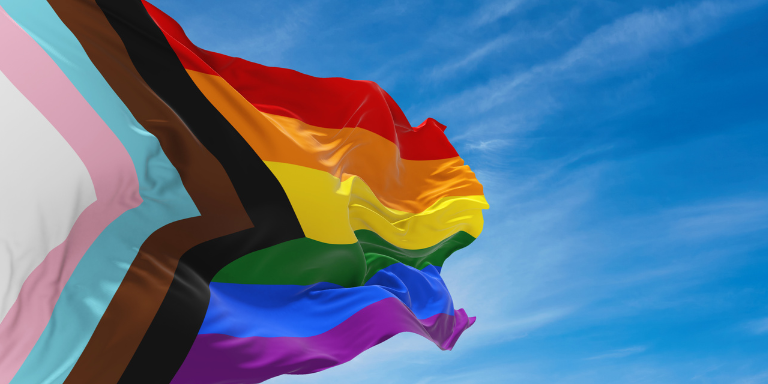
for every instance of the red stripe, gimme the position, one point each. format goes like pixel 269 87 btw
pixel 322 102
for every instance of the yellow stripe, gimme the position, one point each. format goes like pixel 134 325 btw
pixel 331 203
pixel 330 210
pixel 406 185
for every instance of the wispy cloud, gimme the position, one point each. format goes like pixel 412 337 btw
pixel 757 327
pixel 265 38
pixel 759 378
pixel 619 353
pixel 639 34
pixel 548 268
pixel 519 326
pixel 493 11
pixel 489 145
pixel 622 43
pixel 508 373
pixel 727 218
pixel 472 58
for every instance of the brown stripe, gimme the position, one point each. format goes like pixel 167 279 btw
pixel 127 318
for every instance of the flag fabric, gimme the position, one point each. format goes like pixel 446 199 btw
pixel 175 215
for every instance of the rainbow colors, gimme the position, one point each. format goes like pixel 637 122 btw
pixel 182 216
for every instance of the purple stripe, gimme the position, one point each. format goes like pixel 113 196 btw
pixel 216 358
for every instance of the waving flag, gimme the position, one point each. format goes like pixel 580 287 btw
pixel 182 216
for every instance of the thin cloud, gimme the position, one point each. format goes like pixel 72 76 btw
pixel 731 217
pixel 639 34
pixel 611 48
pixel 760 378
pixel 488 145
pixel 619 353
pixel 520 326
pixel 492 12
pixel 265 40
pixel 472 58
pixel 758 327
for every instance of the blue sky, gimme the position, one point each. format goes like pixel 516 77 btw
pixel 623 146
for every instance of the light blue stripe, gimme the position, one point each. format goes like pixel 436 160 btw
pixel 98 275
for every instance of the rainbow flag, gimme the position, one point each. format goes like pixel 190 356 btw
pixel 175 215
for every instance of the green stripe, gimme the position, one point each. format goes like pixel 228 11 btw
pixel 306 261
pixel 380 254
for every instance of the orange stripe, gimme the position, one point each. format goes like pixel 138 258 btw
pixel 405 185
pixel 323 102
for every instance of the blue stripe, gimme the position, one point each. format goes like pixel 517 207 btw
pixel 98 275
pixel 246 310
pixel 423 291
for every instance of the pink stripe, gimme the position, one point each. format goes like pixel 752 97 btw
pixel 114 178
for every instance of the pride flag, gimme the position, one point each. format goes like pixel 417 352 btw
pixel 174 215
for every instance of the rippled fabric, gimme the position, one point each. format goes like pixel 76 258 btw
pixel 225 221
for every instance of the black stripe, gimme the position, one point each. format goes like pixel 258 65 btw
pixel 175 326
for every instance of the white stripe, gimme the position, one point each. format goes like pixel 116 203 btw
pixel 44 186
